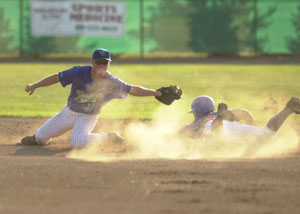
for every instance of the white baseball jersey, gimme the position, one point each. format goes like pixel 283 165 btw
pixel 236 130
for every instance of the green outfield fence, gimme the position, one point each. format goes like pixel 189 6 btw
pixel 249 27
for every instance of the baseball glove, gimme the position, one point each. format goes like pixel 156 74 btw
pixel 169 94
pixel 224 113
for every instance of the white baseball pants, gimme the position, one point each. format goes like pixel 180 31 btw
pixel 82 125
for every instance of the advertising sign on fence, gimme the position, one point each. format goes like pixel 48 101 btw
pixel 67 18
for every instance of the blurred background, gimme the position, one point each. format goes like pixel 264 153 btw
pixel 145 28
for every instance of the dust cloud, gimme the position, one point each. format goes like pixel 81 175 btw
pixel 159 138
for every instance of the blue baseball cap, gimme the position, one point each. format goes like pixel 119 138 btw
pixel 101 53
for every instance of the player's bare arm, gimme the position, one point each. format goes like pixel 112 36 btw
pixel 165 95
pixel 49 80
pixel 243 116
pixel 143 92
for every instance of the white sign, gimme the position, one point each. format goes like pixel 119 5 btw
pixel 64 18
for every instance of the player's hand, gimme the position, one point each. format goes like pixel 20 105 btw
pixel 158 93
pixel 224 113
pixel 30 89
pixel 222 107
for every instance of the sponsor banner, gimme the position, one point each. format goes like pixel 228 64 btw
pixel 67 18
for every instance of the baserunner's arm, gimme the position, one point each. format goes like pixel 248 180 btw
pixel 49 80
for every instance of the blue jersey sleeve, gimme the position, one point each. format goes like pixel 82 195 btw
pixel 67 77
pixel 122 89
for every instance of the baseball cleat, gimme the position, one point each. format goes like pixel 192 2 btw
pixel 114 138
pixel 29 141
pixel 294 104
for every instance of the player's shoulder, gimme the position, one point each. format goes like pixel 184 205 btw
pixel 80 71
pixel 82 68
pixel 76 72
pixel 111 77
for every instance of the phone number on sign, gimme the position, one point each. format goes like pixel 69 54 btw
pixel 96 28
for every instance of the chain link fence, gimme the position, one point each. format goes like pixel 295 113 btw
pixel 172 27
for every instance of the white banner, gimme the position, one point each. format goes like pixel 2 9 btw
pixel 64 18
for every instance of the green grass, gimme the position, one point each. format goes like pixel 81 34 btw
pixel 240 86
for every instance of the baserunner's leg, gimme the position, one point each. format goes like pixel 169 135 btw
pixel 293 106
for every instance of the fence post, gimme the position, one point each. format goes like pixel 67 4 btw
pixel 21 51
pixel 142 29
pixel 255 45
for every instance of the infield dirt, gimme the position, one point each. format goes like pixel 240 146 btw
pixel 36 179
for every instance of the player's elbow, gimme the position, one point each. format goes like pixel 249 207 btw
pixel 135 91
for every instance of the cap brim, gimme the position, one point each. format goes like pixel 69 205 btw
pixel 102 59
pixel 205 115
